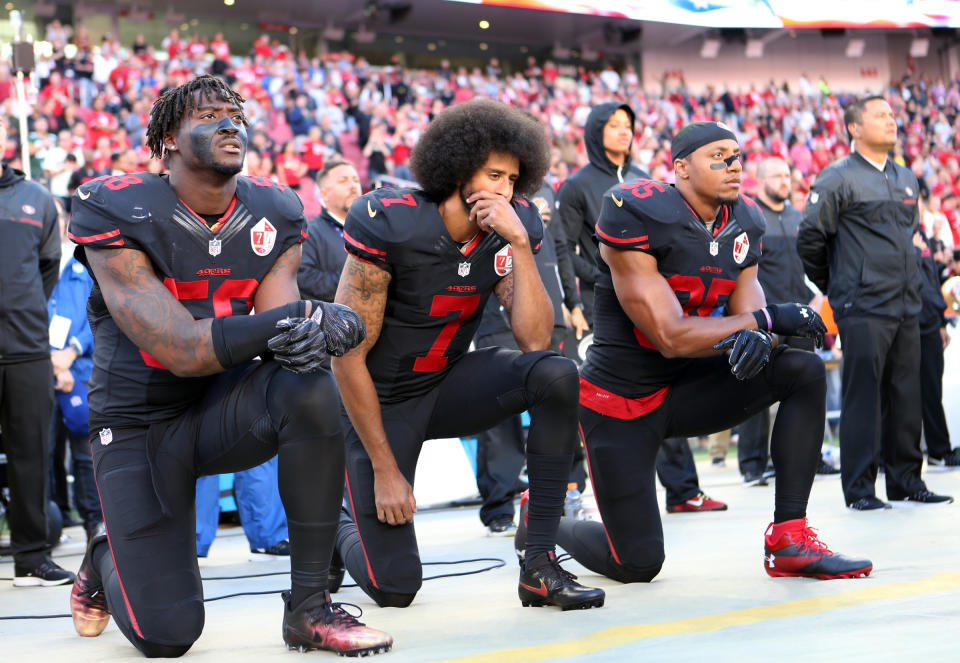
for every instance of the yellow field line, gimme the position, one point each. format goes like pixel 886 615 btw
pixel 617 636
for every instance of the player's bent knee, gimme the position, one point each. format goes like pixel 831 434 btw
pixel 155 650
pixel 556 379
pixel 802 367
pixel 312 397
pixel 628 574
pixel 391 599
pixel 173 634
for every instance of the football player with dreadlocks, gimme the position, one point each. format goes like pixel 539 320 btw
pixel 179 260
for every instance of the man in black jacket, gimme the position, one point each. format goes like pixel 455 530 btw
pixel 934 339
pixel 29 268
pixel 323 254
pixel 856 244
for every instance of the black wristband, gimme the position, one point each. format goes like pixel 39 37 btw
pixel 240 338
pixel 763 319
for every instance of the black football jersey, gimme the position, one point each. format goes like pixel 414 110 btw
pixel 701 266
pixel 213 271
pixel 437 291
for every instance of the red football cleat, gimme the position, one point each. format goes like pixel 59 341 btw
pixel 318 623
pixel 701 502
pixel 792 549
pixel 88 601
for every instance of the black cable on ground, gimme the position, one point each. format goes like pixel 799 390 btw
pixel 497 563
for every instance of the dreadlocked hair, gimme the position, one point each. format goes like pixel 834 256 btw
pixel 168 110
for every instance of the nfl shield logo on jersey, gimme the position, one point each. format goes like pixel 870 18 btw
pixel 215 246
pixel 741 245
pixel 503 261
pixel 463 269
pixel 262 237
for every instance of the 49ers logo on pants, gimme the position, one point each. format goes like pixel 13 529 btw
pixel 503 261
pixel 741 246
pixel 262 237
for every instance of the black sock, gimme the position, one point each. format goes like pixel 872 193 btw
pixel 548 482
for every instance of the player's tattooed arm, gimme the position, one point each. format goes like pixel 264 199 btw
pixel 150 315
pixel 523 296
pixel 504 291
pixel 363 287
pixel 279 286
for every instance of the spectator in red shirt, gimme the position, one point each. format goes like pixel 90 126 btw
pixel 290 167
pixel 313 151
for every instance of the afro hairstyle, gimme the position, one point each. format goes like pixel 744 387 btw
pixel 459 140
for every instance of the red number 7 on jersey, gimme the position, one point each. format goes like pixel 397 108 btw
pixel 443 305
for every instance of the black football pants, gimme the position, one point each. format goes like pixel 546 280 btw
pixel 484 388
pixel 706 398
pixel 147 478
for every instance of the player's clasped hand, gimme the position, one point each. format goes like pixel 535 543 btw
pixel 343 328
pixel 493 212
pixel 303 343
pixel 749 351
pixel 792 320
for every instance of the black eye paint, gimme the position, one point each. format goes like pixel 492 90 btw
pixel 202 136
pixel 726 163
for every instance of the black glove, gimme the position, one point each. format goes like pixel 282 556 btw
pixel 304 342
pixel 300 346
pixel 343 328
pixel 749 352
pixel 792 320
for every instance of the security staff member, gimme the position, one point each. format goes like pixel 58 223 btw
pixel 29 268
pixel 856 244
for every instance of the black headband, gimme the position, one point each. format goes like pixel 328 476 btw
pixel 696 135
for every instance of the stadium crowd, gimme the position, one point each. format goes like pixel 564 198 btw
pixel 92 101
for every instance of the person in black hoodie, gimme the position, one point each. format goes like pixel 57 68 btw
pixel 608 135
pixel 933 341
pixel 29 269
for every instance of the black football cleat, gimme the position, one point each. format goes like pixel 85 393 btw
pixel 88 601
pixel 792 549
pixel 319 623
pixel 544 582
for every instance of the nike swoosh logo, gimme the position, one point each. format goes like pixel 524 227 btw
pixel 542 590
pixel 82 195
pixel 617 201
pixel 696 502
pixel 372 212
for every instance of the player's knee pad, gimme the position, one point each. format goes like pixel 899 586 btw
pixel 554 379
pixel 308 401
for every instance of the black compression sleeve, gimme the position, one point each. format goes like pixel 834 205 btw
pixel 240 338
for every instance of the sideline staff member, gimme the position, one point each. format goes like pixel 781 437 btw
pixel 856 242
